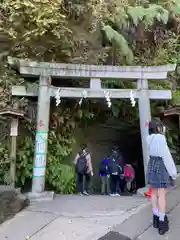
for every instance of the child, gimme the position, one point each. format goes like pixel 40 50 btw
pixel 104 174
pixel 160 174
pixel 134 182
pixel 129 176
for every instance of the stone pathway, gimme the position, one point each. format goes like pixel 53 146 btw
pixel 90 218
pixel 71 217
pixel 139 226
pixel 173 234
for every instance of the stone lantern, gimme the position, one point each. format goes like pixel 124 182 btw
pixel 14 114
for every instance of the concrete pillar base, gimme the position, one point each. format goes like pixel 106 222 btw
pixel 178 168
pixel 141 191
pixel 38 197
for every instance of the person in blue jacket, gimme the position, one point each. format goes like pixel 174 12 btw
pixel 104 174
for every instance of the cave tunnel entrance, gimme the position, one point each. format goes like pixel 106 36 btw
pixel 128 140
pixel 131 147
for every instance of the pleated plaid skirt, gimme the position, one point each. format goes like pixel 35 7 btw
pixel 157 175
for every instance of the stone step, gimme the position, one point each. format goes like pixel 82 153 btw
pixel 11 202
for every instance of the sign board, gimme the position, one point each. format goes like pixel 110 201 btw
pixel 39 171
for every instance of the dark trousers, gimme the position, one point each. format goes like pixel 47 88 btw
pixel 122 185
pixel 83 181
pixel 105 185
pixel 115 183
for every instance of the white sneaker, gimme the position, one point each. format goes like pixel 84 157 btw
pixel 112 194
pixel 85 193
pixel 117 195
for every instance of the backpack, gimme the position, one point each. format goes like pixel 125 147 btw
pixel 116 164
pixel 103 168
pixel 81 164
pixel 129 173
pixel 114 167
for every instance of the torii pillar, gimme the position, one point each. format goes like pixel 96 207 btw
pixel 144 118
pixel 42 129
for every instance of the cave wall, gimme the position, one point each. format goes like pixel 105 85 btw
pixel 100 139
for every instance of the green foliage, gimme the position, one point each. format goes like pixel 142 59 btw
pixel 176 97
pixel 122 45
pixel 4 163
pixel 148 15
pixel 84 116
pixel 60 177
pixel 58 26
pixel 173 143
pixel 28 23
pixel 24 161
pixel 8 77
pixel 173 6
pixel 25 156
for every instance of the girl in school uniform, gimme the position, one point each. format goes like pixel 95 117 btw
pixel 161 173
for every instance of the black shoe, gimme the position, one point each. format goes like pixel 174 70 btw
pixel 166 219
pixel 163 226
pixel 155 221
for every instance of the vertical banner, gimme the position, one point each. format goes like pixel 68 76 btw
pixel 40 154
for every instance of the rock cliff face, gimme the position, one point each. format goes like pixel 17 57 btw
pixel 11 202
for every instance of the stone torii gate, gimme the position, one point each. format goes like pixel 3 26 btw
pixel 94 73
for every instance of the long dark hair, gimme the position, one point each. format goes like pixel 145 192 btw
pixel 83 149
pixel 156 126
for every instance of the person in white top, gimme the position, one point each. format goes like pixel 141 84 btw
pixel 84 170
pixel 161 173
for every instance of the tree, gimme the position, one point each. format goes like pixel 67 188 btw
pixel 31 23
pixel 58 30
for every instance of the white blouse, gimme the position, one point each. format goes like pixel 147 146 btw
pixel 157 146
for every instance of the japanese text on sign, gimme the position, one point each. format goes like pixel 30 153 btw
pixel 40 160
pixel 40 144
pixel 39 172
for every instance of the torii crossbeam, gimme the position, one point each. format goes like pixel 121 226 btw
pixel 94 73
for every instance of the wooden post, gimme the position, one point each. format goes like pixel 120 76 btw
pixel 13 134
pixel 42 129
pixel 145 117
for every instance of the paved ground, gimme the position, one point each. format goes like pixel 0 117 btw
pixel 89 218
pixel 71 217
pixel 173 234
pixel 173 208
